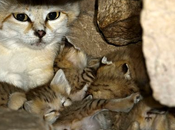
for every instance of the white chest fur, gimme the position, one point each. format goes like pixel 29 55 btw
pixel 27 68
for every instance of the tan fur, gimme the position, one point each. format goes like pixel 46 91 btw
pixel 80 114
pixel 16 100
pixel 77 68
pixel 54 96
pixel 140 119
pixel 133 55
pixel 112 81
pixel 11 96
pixel 30 57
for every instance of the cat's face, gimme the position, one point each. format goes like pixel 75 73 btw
pixel 34 26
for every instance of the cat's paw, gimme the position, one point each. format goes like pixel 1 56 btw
pixel 16 100
pixel 15 79
pixel 67 102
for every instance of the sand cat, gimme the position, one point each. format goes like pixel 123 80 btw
pixel 30 34
pixel 148 114
pixel 50 97
pixel 41 100
pixel 134 55
pixel 113 80
pixel 79 69
pixel 80 115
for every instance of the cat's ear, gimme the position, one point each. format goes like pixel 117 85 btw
pixel 3 13
pixel 105 61
pixel 72 10
pixel 60 80
pixel 126 71
pixel 3 4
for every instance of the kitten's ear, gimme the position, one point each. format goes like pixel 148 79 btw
pixel 105 61
pixel 88 97
pixel 126 71
pixel 60 80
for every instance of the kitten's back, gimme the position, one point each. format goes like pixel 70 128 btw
pixel 79 114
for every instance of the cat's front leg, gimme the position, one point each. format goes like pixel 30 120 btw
pixel 123 104
pixel 15 79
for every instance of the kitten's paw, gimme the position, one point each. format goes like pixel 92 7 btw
pixel 16 100
pixel 67 102
pixel 51 117
pixel 15 79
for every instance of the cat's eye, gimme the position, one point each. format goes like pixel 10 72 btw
pixel 21 17
pixel 53 15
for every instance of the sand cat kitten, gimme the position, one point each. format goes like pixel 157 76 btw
pixel 50 97
pixel 30 33
pixel 78 68
pixel 80 115
pixel 40 100
pixel 134 55
pixel 113 80
pixel 11 96
pixel 147 115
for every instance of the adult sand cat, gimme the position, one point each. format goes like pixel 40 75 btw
pixel 30 34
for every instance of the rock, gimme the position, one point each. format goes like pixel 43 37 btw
pixel 118 20
pixel 21 120
pixel 84 33
pixel 159 48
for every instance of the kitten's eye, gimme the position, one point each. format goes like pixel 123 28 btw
pixel 53 15
pixel 21 17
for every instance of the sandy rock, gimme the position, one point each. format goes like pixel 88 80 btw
pixel 84 33
pixel 119 20
pixel 158 24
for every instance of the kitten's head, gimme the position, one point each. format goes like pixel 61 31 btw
pixel 35 24
pixel 118 69
pixel 71 57
pixel 49 101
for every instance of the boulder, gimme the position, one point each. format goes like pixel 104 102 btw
pixel 159 48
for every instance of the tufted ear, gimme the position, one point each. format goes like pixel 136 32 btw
pixel 60 81
pixel 105 61
pixel 72 9
pixel 126 71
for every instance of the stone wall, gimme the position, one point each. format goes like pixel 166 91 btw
pixel 158 21
pixel 101 25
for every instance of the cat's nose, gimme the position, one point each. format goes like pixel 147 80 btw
pixel 40 33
